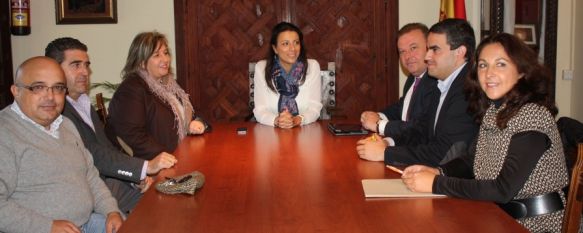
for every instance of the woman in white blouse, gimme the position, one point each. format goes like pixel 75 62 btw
pixel 289 95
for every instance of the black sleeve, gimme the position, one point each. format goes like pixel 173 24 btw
pixel 462 166
pixel 393 112
pixel 106 158
pixel 524 152
pixel 427 143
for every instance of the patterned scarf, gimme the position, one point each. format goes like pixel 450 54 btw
pixel 287 85
pixel 167 90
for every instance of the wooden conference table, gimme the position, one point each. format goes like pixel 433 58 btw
pixel 295 180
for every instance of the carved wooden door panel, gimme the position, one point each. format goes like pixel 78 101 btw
pixel 216 40
pixel 355 35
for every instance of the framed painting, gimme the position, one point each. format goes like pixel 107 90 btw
pixel 86 11
pixel 526 33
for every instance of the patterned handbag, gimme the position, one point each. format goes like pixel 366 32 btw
pixel 187 183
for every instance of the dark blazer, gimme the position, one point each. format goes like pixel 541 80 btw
pixel 419 105
pixel 421 144
pixel 107 158
pixel 142 120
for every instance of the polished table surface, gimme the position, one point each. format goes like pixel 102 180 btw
pixel 295 180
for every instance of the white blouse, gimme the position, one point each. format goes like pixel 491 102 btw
pixel 309 98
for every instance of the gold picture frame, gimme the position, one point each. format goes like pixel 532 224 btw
pixel 86 11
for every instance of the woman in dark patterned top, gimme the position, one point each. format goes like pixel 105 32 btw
pixel 518 157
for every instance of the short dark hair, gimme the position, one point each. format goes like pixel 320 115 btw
pixel 57 48
pixel 535 86
pixel 458 32
pixel 412 27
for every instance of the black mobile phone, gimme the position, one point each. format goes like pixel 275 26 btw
pixel 242 130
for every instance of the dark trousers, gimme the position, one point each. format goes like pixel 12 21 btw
pixel 126 195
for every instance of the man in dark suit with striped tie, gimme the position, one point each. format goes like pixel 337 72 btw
pixel 418 89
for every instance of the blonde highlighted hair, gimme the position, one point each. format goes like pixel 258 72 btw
pixel 141 49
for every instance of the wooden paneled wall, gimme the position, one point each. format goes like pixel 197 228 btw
pixel 216 40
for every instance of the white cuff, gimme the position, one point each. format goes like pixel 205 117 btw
pixel 144 170
pixel 390 141
pixel 381 126
pixel 382 116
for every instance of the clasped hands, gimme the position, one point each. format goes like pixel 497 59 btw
pixel 286 120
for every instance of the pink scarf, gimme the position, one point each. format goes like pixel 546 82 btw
pixel 170 93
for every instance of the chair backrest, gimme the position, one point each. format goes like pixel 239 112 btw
pixel 572 218
pixel 328 79
pixel 101 110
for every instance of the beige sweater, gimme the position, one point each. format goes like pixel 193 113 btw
pixel 44 179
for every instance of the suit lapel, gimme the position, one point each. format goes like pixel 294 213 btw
pixel 71 111
pixel 455 86
pixel 420 89
pixel 408 84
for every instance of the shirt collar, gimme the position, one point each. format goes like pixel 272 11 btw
pixel 83 107
pixel 53 127
pixel 83 99
pixel 444 85
pixel 422 74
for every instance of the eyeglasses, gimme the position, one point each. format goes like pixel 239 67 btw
pixel 39 89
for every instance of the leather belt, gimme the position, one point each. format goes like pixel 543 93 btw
pixel 533 206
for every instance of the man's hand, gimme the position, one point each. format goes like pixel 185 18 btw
pixel 372 148
pixel 161 161
pixel 64 226
pixel 113 222
pixel 196 127
pixel 145 184
pixel 419 178
pixel 284 120
pixel 369 120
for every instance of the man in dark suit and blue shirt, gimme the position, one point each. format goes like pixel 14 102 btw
pixel 117 169
pixel 419 87
pixel 451 45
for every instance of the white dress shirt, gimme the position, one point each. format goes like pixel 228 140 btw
pixel 53 127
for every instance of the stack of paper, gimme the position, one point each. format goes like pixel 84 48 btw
pixel 390 188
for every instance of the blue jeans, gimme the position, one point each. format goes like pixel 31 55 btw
pixel 96 224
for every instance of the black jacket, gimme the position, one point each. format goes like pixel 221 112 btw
pixel 110 161
pixel 419 105
pixel 421 144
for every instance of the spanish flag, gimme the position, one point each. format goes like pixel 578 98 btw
pixel 452 9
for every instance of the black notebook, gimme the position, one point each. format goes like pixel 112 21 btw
pixel 346 129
